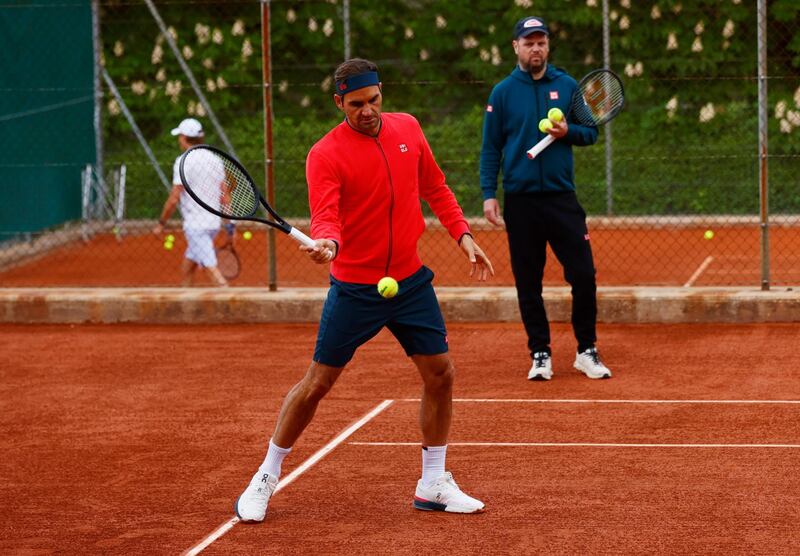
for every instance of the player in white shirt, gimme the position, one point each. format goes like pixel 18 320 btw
pixel 199 226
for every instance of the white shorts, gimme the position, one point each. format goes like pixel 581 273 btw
pixel 200 247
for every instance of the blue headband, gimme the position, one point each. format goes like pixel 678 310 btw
pixel 355 82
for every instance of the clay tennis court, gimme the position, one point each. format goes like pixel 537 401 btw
pixel 625 254
pixel 122 439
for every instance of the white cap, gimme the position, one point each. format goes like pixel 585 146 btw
pixel 190 128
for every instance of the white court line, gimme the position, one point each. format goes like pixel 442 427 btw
pixel 554 401
pixel 702 268
pixel 325 450
pixel 582 445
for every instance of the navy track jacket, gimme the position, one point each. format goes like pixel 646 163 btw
pixel 511 127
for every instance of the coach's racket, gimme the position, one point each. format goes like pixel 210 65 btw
pixel 598 99
pixel 221 185
pixel 228 262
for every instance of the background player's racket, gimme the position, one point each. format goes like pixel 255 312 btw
pixel 597 100
pixel 228 262
pixel 221 185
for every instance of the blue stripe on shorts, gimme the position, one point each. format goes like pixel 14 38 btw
pixel 355 313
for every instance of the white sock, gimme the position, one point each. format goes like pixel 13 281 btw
pixel 432 463
pixel 272 463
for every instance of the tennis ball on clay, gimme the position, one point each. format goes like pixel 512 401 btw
pixel 168 245
pixel 545 125
pixel 247 235
pixel 387 287
pixel 170 239
pixel 555 115
pixel 709 234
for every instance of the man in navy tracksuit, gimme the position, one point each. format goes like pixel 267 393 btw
pixel 540 204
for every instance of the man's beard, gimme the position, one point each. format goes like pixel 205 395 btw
pixel 530 68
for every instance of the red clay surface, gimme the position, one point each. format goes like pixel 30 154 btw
pixel 131 439
pixel 623 257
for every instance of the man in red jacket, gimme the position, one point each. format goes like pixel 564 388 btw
pixel 365 181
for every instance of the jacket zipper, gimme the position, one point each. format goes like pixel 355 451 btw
pixel 538 161
pixel 391 205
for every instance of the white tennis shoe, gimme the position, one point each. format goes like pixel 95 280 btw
pixel 445 496
pixel 542 366
pixel 252 503
pixel 589 363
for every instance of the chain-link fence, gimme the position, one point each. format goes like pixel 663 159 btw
pixel 695 183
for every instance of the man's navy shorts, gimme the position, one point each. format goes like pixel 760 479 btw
pixel 354 313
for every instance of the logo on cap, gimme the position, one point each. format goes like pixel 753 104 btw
pixel 533 22
pixel 342 86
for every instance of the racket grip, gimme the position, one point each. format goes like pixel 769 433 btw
pixel 540 146
pixel 300 237
pixel 305 240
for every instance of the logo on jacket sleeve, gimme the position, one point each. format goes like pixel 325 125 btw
pixel 403 147
pixel 553 95
pixel 489 108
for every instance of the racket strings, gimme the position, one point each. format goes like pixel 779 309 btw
pixel 219 184
pixel 601 98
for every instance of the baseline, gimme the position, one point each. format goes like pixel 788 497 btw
pixel 302 468
pixel 580 445
pixel 578 400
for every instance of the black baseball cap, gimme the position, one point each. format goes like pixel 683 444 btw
pixel 529 25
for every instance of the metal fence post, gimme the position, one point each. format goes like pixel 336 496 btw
pixel 269 170
pixel 762 142
pixel 607 131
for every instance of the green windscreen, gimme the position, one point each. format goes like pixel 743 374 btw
pixel 46 112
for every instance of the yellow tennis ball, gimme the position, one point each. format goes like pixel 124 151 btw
pixel 545 125
pixel 170 238
pixel 167 245
pixel 555 115
pixel 247 234
pixel 709 234
pixel 387 287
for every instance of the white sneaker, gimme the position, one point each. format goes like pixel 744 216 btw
pixel 252 503
pixel 445 496
pixel 542 366
pixel 589 364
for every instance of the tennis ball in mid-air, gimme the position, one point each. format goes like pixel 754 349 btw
pixel 545 125
pixel 170 238
pixel 247 235
pixel 387 287
pixel 167 245
pixel 709 234
pixel 555 115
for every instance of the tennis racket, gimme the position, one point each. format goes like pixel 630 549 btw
pixel 222 186
pixel 228 262
pixel 598 99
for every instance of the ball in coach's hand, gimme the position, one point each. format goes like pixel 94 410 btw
pixel 170 238
pixel 545 125
pixel 247 235
pixel 387 287
pixel 167 245
pixel 555 115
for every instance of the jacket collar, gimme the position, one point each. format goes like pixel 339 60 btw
pixel 351 130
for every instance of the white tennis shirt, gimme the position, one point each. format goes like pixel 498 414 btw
pixel 196 217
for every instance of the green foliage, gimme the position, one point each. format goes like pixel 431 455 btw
pixel 686 142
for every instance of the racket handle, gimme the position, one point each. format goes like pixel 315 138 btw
pixel 540 146
pixel 305 240
pixel 300 237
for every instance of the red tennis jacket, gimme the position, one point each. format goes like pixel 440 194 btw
pixel 365 194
